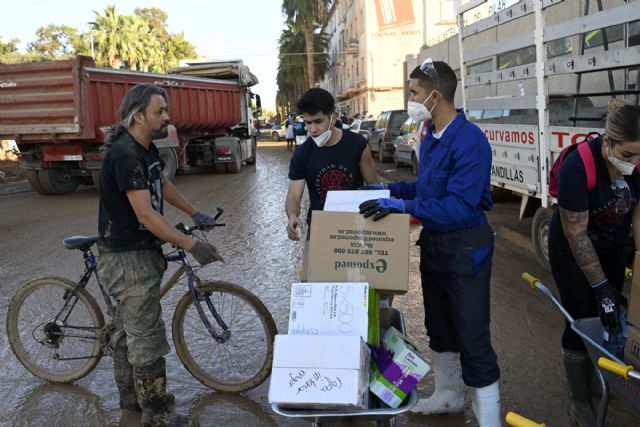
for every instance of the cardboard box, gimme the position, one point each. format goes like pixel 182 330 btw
pixel 397 368
pixel 632 347
pixel 633 313
pixel 320 372
pixel 350 200
pixel 346 247
pixel 343 309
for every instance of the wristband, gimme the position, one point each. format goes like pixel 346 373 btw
pixel 603 283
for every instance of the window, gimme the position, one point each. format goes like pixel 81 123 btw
pixel 481 67
pixel 634 33
pixel 594 38
pixel 526 55
pixel 559 47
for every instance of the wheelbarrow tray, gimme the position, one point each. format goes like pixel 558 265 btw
pixel 590 330
pixel 388 317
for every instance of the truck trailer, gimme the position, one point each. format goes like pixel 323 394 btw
pixel 59 111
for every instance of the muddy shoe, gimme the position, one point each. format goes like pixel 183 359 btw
pixel 123 375
pixel 448 397
pixel 150 384
pixel 578 367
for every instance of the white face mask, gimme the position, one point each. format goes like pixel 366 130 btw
pixel 418 112
pixel 625 168
pixel 323 138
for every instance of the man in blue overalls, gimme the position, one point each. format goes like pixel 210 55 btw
pixel 449 198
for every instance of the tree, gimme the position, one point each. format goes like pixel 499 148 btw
pixel 9 51
pixel 55 42
pixel 108 37
pixel 306 16
pixel 293 71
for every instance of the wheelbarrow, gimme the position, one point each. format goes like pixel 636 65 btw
pixel 612 373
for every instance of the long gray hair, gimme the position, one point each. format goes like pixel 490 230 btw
pixel 135 101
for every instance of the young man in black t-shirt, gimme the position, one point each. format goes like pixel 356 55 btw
pixel 330 159
pixel 131 263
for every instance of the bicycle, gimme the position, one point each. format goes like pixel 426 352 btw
pixel 215 324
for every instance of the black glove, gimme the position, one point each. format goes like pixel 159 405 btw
pixel 381 186
pixel 202 220
pixel 609 301
pixel 380 208
pixel 205 253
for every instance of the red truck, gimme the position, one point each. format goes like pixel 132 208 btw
pixel 58 112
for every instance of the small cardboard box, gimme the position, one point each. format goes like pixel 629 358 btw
pixel 350 200
pixel 398 368
pixel 350 309
pixel 632 347
pixel 320 372
pixel 633 313
pixel 346 247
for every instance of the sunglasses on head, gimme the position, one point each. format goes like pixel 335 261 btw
pixel 429 70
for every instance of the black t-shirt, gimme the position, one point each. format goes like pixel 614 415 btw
pixel 328 168
pixel 608 227
pixel 128 166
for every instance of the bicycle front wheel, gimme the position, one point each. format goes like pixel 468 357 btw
pixel 240 362
pixel 55 347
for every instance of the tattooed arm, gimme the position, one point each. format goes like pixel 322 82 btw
pixel 574 226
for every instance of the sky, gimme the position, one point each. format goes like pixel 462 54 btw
pixel 220 29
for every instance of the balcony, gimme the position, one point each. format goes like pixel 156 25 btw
pixel 352 47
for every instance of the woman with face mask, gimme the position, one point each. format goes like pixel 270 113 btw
pixel 587 241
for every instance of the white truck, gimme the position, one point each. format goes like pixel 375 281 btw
pixel 536 77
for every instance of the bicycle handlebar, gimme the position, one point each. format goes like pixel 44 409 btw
pixel 189 229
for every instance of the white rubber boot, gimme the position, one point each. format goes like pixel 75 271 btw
pixel 486 405
pixel 448 397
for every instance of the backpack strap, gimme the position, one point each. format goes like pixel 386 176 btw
pixel 589 164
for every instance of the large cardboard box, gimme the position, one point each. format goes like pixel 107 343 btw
pixel 346 247
pixel 350 309
pixel 320 372
pixel 633 314
pixel 632 347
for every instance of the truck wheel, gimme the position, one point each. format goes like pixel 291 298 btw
pixel 275 136
pixel 58 181
pixel 540 236
pixel 236 164
pixel 170 159
pixel 254 147
pixel 414 164
pixel 33 176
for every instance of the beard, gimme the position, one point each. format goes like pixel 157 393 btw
pixel 161 133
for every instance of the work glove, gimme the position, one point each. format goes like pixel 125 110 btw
pixel 205 253
pixel 380 208
pixel 202 220
pixel 380 186
pixel 609 301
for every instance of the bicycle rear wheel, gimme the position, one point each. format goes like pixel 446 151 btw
pixel 241 362
pixel 63 350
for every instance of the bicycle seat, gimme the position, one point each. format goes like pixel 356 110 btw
pixel 79 242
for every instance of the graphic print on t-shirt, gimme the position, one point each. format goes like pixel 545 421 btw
pixel 155 186
pixel 333 177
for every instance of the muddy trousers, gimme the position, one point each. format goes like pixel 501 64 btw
pixel 455 269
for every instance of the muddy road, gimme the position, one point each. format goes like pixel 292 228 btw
pixel 526 328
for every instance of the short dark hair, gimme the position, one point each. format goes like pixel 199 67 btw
pixel 316 100
pixel 447 80
pixel 135 101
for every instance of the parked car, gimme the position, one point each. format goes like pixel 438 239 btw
pixel 387 129
pixel 276 132
pixel 363 127
pixel 403 144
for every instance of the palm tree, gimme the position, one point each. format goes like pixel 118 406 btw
pixel 306 16
pixel 108 36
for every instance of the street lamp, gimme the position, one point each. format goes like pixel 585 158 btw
pixel 93 53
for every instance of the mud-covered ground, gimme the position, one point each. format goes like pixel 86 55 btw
pixel 526 327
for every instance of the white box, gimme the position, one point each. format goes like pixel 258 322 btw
pixel 320 372
pixel 350 200
pixel 329 309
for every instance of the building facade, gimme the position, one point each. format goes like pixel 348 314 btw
pixel 369 44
